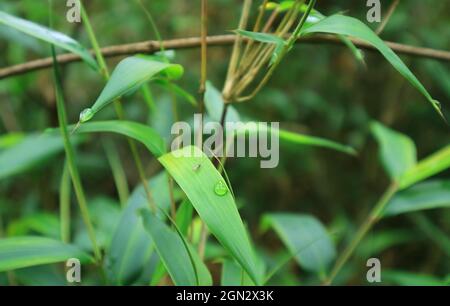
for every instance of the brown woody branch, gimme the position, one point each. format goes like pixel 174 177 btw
pixel 150 47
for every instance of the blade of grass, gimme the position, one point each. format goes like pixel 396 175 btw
pixel 22 252
pixel 70 157
pixel 117 171
pixel 64 204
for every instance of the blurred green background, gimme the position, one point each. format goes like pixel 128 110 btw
pixel 319 90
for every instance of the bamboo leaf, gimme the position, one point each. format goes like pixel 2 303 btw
pixel 40 223
pixel 130 73
pixel 181 261
pixel 262 37
pixel 402 278
pixel 170 86
pixel 22 252
pixel 432 165
pixel 233 275
pixel 427 195
pixel 343 25
pixel 53 37
pixel 184 216
pixel 131 247
pixel 253 128
pixel 397 151
pixel 208 193
pixel 144 134
pixel 305 237
pixel 30 152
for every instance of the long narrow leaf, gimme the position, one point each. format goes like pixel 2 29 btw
pixel 305 237
pixel 129 75
pixel 207 191
pixel 30 152
pixel 427 195
pixel 43 33
pixel 343 25
pixel 432 165
pixel 144 134
pixel 21 252
pixel 397 151
pixel 183 265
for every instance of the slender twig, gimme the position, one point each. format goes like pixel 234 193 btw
pixel 294 37
pixel 235 55
pixel 153 46
pixel 373 217
pixel 388 16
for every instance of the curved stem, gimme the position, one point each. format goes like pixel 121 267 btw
pixel 373 217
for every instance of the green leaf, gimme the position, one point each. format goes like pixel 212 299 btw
pixel 177 90
pixel 403 278
pixel 10 140
pixel 305 237
pixel 343 25
pixel 43 33
pixel 131 247
pixel 41 223
pixel 30 152
pixel 48 275
pixel 397 151
pixel 261 37
pixel 181 261
pixel 22 252
pixel 142 133
pixel 432 232
pixel 184 216
pixel 129 74
pixel 233 275
pixel 295 138
pixel 217 209
pixel 105 215
pixel 427 195
pixel 432 165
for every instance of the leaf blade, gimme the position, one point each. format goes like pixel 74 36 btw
pixel 344 25
pixel 43 33
pixel 218 212
pixel 22 252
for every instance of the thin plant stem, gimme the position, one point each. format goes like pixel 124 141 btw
pixel 147 94
pixel 118 106
pixel 64 204
pixel 235 55
pixel 373 217
pixel 117 171
pixel 295 35
pixel 70 157
pixel 388 16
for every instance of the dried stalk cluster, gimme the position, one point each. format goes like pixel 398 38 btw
pixel 252 62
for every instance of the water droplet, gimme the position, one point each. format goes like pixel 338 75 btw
pixel 86 115
pixel 220 188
